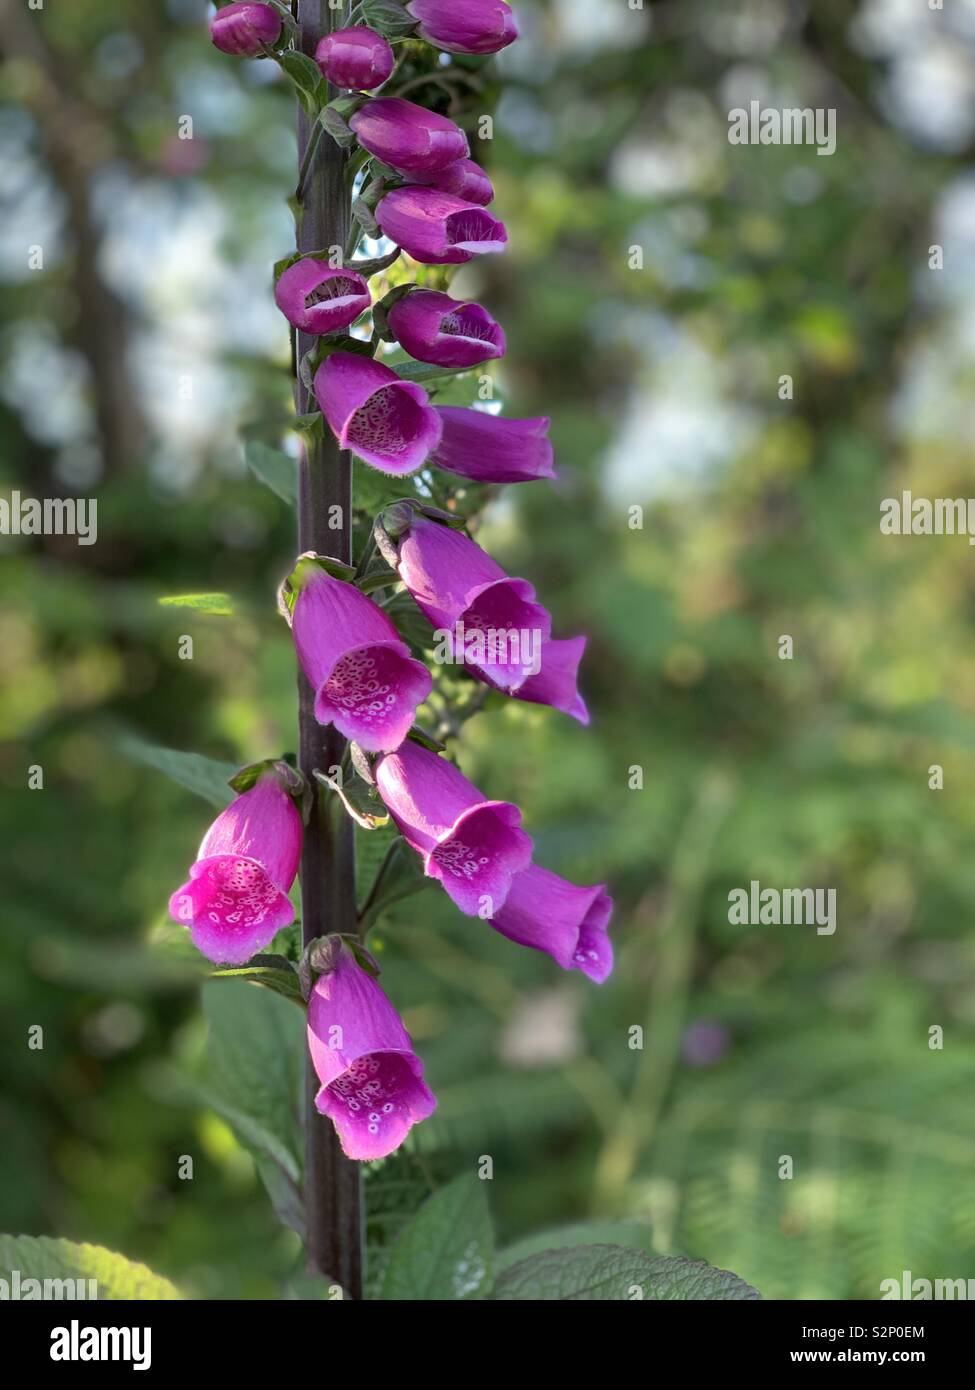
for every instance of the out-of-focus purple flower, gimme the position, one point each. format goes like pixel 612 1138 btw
pixel 317 298
pixel 550 914
pixel 244 29
pixel 465 26
pixel 432 327
pixel 237 894
pixel 492 448
pixel 464 179
pixel 438 229
pixel 409 137
pixel 464 593
pixel 372 1086
pixel 365 681
pixel 389 423
pixel 356 58
pixel 556 682
pixel 475 847
pixel 704 1043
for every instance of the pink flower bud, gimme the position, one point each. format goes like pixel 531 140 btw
pixel 244 29
pixel 465 26
pixel 357 58
pixel 407 136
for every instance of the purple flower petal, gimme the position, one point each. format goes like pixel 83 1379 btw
pixel 372 1086
pixel 465 26
pixel 438 229
pixel 387 422
pixel 243 29
pixel 474 846
pixel 464 179
pixel 365 681
pixel 409 137
pixel 550 914
pixel 432 327
pixel 319 299
pixel 356 58
pixel 237 894
pixel 492 448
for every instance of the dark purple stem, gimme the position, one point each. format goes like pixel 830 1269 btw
pixel 332 1185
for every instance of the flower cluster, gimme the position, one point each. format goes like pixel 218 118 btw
pixel 433 206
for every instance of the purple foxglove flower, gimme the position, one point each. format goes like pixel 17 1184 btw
pixel 438 229
pixel 237 894
pixel 465 26
pixel 475 847
pixel 244 29
pixel 491 448
pixel 365 681
pixel 491 622
pixel 319 299
pixel 432 327
pixel 464 179
pixel 357 58
pixel 555 684
pixel 550 914
pixel 407 136
pixel 372 1081
pixel 387 422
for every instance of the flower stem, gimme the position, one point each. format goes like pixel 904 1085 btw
pixel 332 1186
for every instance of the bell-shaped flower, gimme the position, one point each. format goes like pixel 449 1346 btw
pixel 464 179
pixel 491 448
pixel 237 894
pixel 318 298
pixel 550 914
pixel 243 29
pixel 487 620
pixel 474 847
pixel 408 137
pixel 438 229
pixel 365 681
pixel 556 683
pixel 357 58
pixel 388 422
pixel 465 26
pixel 432 327
pixel 372 1086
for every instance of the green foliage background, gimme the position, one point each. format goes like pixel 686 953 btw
pixel 758 1042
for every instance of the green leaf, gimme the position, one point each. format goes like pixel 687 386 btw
pixel 207 777
pixel 425 371
pixel 388 17
pixel 446 1251
pixel 275 972
pixel 276 470
pixel 633 1234
pixel 255 1051
pixel 376 264
pixel 44 1257
pixel 335 125
pixel 611 1273
pixel 359 800
pixel 220 605
pixel 307 79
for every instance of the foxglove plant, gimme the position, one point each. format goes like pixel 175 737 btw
pixel 385 167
